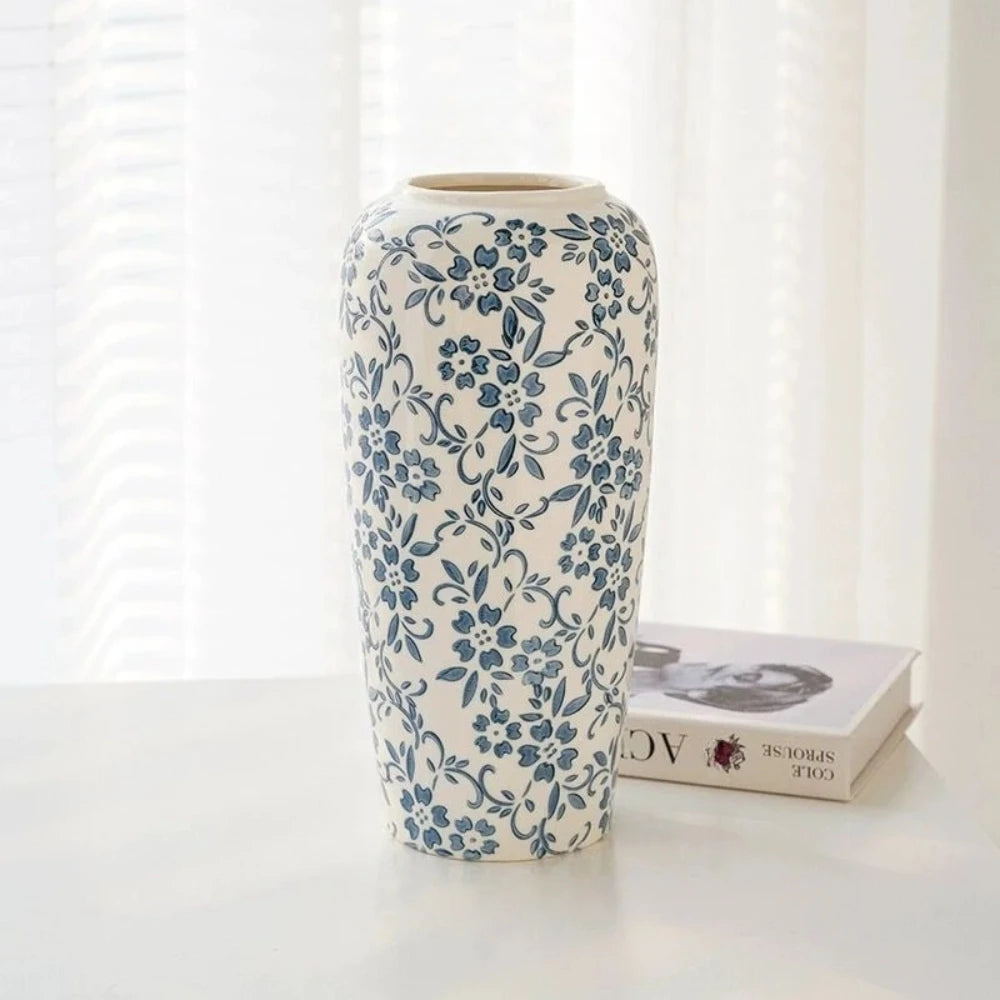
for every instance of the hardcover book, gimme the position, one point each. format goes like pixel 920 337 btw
pixel 771 713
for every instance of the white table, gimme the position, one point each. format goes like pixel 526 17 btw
pixel 224 840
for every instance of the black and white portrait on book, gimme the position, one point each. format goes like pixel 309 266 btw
pixel 737 687
pixel 697 673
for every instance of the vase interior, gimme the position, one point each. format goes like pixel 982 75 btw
pixel 500 184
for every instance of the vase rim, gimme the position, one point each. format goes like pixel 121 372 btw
pixel 503 188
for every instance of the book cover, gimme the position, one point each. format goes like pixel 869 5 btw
pixel 774 713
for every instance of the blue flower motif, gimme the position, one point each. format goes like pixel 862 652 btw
pixel 365 538
pixel 485 635
pixel 417 474
pixel 354 251
pixel 649 339
pixel 598 448
pixel 605 294
pixel 628 475
pixel 550 752
pixel 473 838
pixel 425 820
pixel 613 578
pixel 605 806
pixel 521 239
pixel 614 242
pixel 537 662
pixel 512 395
pixel 581 550
pixel 462 362
pixel 396 578
pixel 362 230
pixel 377 443
pixel 348 425
pixel 497 732
pixel 348 269
pixel 485 281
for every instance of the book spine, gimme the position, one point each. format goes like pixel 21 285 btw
pixel 727 756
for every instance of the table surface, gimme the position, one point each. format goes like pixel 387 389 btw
pixel 184 841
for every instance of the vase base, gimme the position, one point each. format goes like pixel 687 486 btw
pixel 515 854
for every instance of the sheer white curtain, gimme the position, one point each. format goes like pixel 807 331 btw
pixel 177 178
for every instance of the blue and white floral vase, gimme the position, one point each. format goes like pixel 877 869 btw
pixel 499 363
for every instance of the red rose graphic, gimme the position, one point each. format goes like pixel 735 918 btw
pixel 726 754
pixel 723 755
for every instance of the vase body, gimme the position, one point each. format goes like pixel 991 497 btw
pixel 499 336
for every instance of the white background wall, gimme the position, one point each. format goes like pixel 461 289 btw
pixel 960 730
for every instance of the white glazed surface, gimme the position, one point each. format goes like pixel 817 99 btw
pixel 498 374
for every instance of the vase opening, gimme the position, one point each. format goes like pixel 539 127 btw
pixel 502 186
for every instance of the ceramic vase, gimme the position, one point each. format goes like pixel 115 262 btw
pixel 499 337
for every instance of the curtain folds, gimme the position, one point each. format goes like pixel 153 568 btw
pixel 177 183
